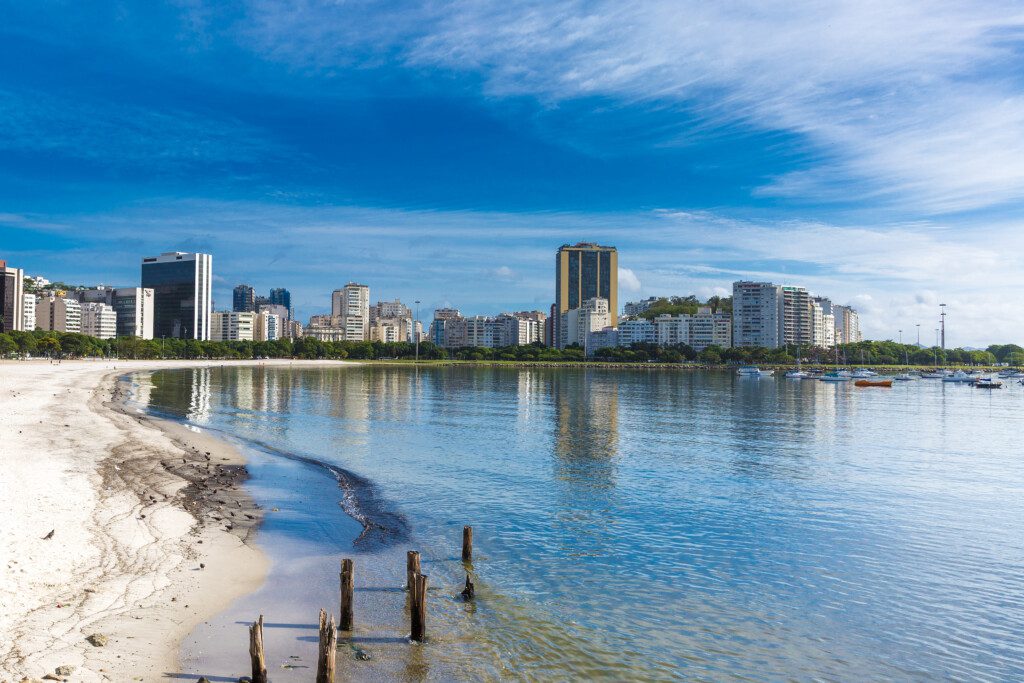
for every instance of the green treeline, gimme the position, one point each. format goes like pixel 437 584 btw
pixel 71 345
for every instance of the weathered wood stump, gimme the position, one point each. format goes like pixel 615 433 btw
pixel 418 608
pixel 256 654
pixel 345 619
pixel 467 544
pixel 412 568
pixel 469 592
pixel 327 650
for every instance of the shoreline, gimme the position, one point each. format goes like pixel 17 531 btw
pixel 140 508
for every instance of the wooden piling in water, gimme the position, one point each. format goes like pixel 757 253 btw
pixel 469 592
pixel 418 608
pixel 256 654
pixel 327 649
pixel 412 568
pixel 467 544
pixel 345 617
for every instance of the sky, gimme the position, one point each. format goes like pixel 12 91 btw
pixel 439 151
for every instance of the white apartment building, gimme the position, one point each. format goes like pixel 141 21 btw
pixel 98 320
pixel 710 329
pixel 267 326
pixel 672 329
pixel 134 308
pixel 634 308
pixel 847 325
pixel 592 316
pixel 797 316
pixel 233 326
pixel 28 318
pixel 636 332
pixel 601 339
pixel 757 314
pixel 351 304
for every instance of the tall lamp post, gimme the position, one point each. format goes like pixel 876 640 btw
pixel 416 332
pixel 918 335
pixel 901 337
pixel 942 319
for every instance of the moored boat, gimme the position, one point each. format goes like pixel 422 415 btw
pixel 753 371
pixel 873 383
pixel 904 377
pixel 988 383
pixel 835 376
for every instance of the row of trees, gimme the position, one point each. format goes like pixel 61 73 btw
pixel 71 345
pixel 678 305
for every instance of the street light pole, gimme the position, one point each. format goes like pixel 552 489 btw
pixel 901 337
pixel 942 318
pixel 415 332
pixel 918 335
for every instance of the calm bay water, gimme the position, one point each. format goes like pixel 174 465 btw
pixel 636 524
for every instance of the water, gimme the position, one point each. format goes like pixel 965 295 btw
pixel 638 524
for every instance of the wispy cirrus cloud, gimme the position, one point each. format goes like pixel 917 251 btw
pixel 914 104
pixel 127 136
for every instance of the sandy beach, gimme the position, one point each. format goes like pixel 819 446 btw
pixel 114 525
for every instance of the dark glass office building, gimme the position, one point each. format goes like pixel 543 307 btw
pixel 244 300
pixel 282 297
pixel 584 271
pixel 182 294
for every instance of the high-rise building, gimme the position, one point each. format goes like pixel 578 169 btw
pixel 243 299
pixel 592 315
pixel 351 304
pixel 797 316
pixel 134 308
pixel 99 320
pixel 279 296
pixel 233 326
pixel 28 320
pixel 584 271
pixel 182 294
pixel 12 291
pixel 757 314
pixel 847 325
pixel 58 314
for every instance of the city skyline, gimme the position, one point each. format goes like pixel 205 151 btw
pixel 438 165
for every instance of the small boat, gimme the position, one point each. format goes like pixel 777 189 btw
pixel 796 374
pixel 931 375
pixel 873 383
pixel 863 373
pixel 988 383
pixel 753 371
pixel 904 377
pixel 959 376
pixel 835 376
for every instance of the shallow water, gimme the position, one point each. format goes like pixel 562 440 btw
pixel 632 524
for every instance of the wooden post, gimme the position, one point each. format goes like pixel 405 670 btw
pixel 259 660
pixel 328 648
pixel 469 591
pixel 467 544
pixel 418 608
pixel 412 568
pixel 345 619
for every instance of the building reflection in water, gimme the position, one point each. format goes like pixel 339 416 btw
pixel 586 410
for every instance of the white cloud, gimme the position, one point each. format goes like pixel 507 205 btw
pixel 628 281
pixel 916 102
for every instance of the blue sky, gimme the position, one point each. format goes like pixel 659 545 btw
pixel 441 151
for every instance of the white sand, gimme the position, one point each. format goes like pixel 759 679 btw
pixel 120 563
